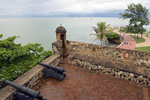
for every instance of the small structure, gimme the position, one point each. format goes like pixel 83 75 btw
pixel 61 35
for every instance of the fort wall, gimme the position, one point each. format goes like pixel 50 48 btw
pixel 127 64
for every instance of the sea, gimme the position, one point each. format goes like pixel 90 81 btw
pixel 42 30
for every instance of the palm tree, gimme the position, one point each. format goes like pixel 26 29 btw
pixel 99 32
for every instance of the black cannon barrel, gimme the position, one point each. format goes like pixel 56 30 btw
pixel 59 69
pixel 26 90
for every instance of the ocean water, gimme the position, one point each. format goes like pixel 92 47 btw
pixel 42 30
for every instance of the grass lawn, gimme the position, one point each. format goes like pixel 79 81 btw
pixel 123 31
pixel 144 49
pixel 138 39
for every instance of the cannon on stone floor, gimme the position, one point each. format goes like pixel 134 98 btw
pixel 24 93
pixel 53 71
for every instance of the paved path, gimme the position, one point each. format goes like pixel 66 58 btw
pixel 132 41
pixel 143 44
pixel 124 45
pixel 84 84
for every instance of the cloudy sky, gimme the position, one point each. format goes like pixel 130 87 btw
pixel 64 8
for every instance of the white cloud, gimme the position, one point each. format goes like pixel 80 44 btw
pixel 56 7
pixel 98 6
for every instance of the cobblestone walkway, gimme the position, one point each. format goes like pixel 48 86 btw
pixel 131 42
pixel 84 84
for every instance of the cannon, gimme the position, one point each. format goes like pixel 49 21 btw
pixel 53 71
pixel 24 93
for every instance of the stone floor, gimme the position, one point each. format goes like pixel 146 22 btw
pixel 84 84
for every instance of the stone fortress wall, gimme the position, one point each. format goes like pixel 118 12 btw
pixel 126 64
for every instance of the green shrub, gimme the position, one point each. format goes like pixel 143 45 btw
pixel 112 35
pixel 16 59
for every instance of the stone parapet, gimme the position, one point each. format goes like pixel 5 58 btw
pixel 137 78
pixel 126 57
pixel 126 61
pixel 112 64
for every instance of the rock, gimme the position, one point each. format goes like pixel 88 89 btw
pixel 74 49
pixel 119 73
pixel 95 68
pixel 126 78
pixel 131 75
pixel 136 80
pixel 148 62
pixel 89 68
pixel 140 77
pixel 144 61
pixel 99 67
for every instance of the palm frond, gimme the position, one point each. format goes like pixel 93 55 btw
pixel 108 25
pixel 94 40
pixel 93 34
pixel 101 26
pixel 95 29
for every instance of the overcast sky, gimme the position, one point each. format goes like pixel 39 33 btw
pixel 36 8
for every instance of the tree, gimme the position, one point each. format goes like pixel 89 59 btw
pixel 100 32
pixel 9 51
pixel 138 18
pixel 16 59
